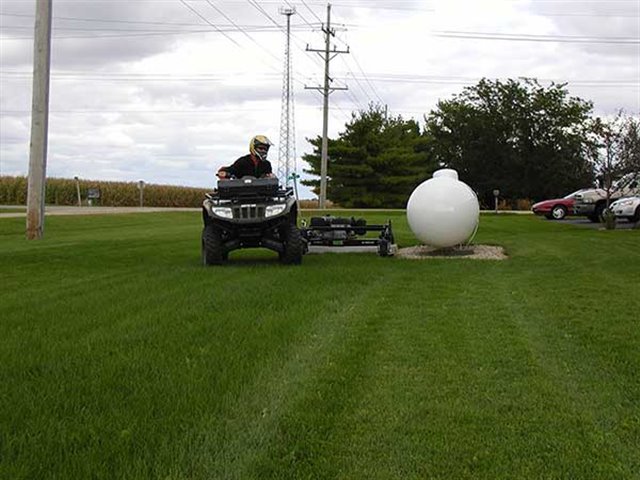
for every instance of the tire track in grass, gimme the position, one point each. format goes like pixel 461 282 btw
pixel 461 395
pixel 419 409
pixel 315 437
pixel 258 431
pixel 587 389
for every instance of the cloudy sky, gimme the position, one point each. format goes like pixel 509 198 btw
pixel 168 91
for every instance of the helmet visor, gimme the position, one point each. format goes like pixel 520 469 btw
pixel 262 150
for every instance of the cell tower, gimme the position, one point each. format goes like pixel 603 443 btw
pixel 287 147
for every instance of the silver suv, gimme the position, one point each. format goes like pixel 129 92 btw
pixel 592 203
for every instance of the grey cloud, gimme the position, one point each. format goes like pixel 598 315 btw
pixel 95 33
pixel 603 20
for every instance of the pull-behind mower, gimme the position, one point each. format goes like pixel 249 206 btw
pixel 329 231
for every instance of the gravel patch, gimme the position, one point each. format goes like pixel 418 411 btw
pixel 476 252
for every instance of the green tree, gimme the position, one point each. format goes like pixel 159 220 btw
pixel 376 162
pixel 527 140
pixel 630 142
pixel 618 142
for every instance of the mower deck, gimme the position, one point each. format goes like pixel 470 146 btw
pixel 347 235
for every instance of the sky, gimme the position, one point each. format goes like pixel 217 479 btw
pixel 168 91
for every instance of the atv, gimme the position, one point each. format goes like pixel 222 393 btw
pixel 248 213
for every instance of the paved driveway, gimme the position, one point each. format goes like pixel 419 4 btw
pixel 586 223
pixel 56 210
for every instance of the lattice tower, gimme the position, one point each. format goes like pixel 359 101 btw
pixel 287 147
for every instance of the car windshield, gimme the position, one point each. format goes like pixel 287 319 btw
pixel 571 195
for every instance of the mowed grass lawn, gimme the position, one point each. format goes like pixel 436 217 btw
pixel 121 357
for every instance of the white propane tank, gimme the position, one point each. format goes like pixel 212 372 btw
pixel 443 211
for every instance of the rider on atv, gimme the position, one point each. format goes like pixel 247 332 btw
pixel 254 164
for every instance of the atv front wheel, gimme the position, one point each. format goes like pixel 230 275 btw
pixel 293 246
pixel 212 250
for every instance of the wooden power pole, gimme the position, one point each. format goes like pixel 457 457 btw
pixel 39 120
pixel 327 54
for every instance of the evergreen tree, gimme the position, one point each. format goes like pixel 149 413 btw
pixel 376 162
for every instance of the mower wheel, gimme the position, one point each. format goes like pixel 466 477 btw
pixel 384 248
pixel 293 246
pixel 212 250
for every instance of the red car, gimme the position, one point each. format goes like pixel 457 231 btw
pixel 556 208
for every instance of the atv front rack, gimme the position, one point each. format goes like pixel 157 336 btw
pixel 329 231
pixel 249 187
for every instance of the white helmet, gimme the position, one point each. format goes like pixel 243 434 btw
pixel 259 146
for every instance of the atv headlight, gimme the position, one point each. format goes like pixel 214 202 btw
pixel 273 210
pixel 223 212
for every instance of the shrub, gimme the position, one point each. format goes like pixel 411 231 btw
pixel 315 204
pixel 514 204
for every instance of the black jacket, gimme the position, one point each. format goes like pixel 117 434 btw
pixel 244 166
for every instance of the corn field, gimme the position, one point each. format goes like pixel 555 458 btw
pixel 62 191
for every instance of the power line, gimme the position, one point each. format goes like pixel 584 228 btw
pixel 250 37
pixel 367 80
pixel 357 102
pixel 536 38
pixel 225 27
pixel 111 21
pixel 357 80
pixel 264 12
pixel 117 21
pixel 241 29
pixel 293 77
pixel 312 12
pixel 217 111
pixel 207 21
pixel 378 77
pixel 353 97
pixel 261 10
pixel 304 19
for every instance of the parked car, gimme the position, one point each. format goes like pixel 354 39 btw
pixel 556 208
pixel 628 208
pixel 593 202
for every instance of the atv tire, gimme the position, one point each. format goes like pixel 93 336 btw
pixel 212 249
pixel 293 246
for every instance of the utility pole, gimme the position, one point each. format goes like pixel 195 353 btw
pixel 287 148
pixel 141 188
pixel 39 120
pixel 327 54
pixel 78 190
